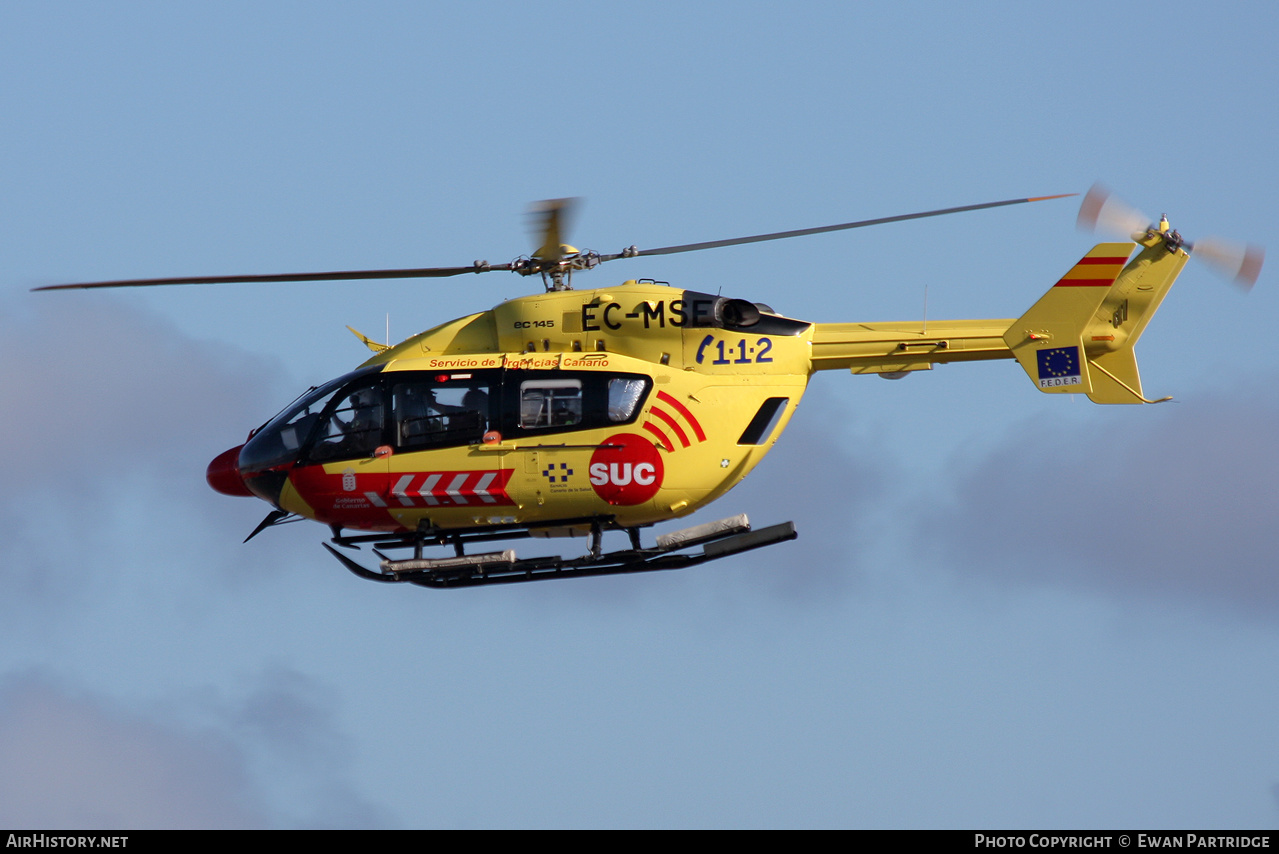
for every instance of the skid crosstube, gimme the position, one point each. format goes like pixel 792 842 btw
pixel 716 539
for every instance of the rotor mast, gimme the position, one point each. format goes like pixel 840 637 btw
pixel 557 270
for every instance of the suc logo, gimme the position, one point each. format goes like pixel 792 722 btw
pixel 626 469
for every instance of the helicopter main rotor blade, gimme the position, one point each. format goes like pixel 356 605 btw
pixel 551 221
pixel 801 232
pixel 347 275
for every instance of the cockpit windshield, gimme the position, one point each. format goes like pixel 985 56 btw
pixel 282 439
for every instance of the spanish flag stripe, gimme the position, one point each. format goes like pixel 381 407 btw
pixel 1084 283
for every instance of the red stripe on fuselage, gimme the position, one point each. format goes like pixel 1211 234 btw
pixel 661 437
pixel 673 424
pixel 683 410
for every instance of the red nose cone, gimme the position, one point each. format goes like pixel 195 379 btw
pixel 223 473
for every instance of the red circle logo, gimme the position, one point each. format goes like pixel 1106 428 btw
pixel 626 469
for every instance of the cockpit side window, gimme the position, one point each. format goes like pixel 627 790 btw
pixel 429 412
pixel 351 426
pixel 550 403
pixel 538 402
pixel 624 396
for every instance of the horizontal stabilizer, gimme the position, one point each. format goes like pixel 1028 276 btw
pixel 369 342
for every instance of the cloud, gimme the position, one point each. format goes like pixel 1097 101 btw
pixel 77 762
pixel 1172 503
pixel 95 385
pixel 289 721
pixel 110 416
pixel 273 757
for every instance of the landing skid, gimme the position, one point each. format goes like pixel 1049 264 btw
pixel 715 539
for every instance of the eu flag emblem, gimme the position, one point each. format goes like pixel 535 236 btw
pixel 1059 366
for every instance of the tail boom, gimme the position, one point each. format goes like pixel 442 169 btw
pixel 891 348
pixel 1076 339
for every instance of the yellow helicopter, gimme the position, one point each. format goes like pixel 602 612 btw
pixel 575 413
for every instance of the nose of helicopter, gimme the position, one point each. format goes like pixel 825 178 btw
pixel 223 474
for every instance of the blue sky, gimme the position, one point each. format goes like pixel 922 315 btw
pixel 1004 609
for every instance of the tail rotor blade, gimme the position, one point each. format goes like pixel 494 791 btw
pixel 1238 262
pixel 1102 211
pixel 1241 263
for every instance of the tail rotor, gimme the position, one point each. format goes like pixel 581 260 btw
pixel 1238 262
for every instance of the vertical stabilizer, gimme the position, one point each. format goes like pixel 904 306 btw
pixel 1048 340
pixel 1078 338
